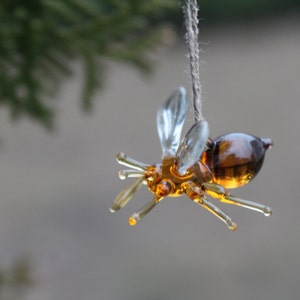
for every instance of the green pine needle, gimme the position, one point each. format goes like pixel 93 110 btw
pixel 39 40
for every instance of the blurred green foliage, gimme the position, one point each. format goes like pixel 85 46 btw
pixel 15 281
pixel 244 10
pixel 40 38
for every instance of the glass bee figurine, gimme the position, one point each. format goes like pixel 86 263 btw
pixel 196 165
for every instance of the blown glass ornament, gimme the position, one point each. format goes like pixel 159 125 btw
pixel 196 165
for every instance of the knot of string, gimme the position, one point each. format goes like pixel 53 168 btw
pixel 192 32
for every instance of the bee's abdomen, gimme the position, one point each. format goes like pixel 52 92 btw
pixel 235 158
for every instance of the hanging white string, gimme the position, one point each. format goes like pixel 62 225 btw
pixel 192 32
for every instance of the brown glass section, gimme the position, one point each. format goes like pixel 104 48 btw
pixel 235 159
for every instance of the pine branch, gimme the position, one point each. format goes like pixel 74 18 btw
pixel 39 40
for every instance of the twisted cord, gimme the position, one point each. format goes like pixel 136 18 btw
pixel 192 32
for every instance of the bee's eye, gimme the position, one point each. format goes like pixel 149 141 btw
pixel 163 189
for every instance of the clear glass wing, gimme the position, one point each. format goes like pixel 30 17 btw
pixel 170 118
pixel 192 146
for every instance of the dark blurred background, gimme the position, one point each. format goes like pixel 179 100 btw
pixel 82 80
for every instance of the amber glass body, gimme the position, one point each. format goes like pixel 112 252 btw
pixel 163 180
pixel 235 158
